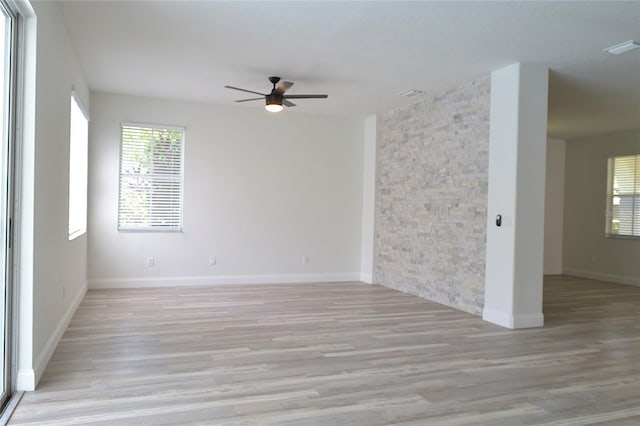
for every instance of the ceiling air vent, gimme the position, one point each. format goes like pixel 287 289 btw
pixel 410 93
pixel 622 47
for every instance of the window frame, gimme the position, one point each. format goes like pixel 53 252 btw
pixel 80 228
pixel 635 210
pixel 152 228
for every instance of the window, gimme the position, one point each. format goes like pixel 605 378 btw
pixel 78 151
pixel 623 196
pixel 151 178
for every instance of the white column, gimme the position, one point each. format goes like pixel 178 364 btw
pixel 26 378
pixel 517 148
pixel 368 200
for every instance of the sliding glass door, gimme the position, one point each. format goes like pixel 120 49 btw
pixel 8 54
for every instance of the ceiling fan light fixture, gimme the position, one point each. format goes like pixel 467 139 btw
pixel 274 103
pixel 273 107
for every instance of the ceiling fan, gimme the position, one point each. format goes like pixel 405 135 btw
pixel 276 100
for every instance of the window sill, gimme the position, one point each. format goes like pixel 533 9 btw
pixel 148 230
pixel 622 237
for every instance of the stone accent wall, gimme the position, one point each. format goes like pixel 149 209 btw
pixel 431 196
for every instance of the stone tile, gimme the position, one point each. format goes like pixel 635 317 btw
pixel 431 196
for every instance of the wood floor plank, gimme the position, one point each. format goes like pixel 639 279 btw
pixel 339 354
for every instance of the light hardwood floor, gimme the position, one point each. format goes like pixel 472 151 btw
pixel 339 354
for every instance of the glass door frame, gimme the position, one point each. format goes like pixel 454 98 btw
pixel 7 169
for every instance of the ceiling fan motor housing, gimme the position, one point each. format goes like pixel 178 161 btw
pixel 274 98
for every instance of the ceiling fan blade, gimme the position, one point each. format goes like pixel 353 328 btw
pixel 288 103
pixel 283 87
pixel 305 96
pixel 245 90
pixel 252 99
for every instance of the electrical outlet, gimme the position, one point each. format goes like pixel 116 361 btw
pixel 151 262
pixel 64 292
pixel 212 260
pixel 305 260
pixel 593 259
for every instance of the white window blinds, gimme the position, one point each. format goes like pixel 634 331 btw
pixel 624 196
pixel 151 178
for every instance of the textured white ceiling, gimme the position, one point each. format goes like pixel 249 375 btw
pixel 363 53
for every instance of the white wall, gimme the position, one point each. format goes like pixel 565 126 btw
pixel 554 207
pixel 513 279
pixel 56 278
pixel 586 250
pixel 368 200
pixel 261 192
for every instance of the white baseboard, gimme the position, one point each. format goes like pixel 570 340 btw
pixel 102 283
pixel 620 279
pixel 43 358
pixel 528 320
pixel 366 278
pixel 26 380
pixel 510 321
pixel 497 317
